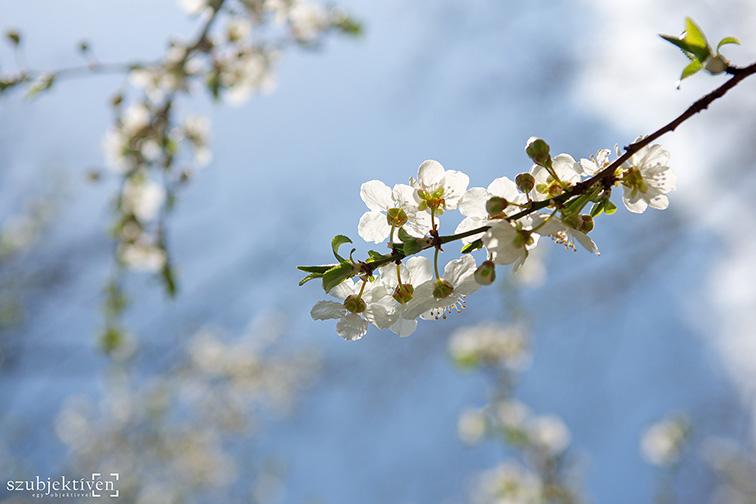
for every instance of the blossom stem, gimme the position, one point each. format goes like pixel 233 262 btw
pixel 435 263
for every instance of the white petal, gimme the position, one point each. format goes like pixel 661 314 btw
pixel 324 310
pixel 404 327
pixel 458 269
pixel 454 187
pixel 430 174
pixel 374 227
pixel 505 188
pixel 473 203
pixel 635 204
pixel 379 316
pixel 586 242
pixel 468 224
pixel 352 327
pixel 376 195
pixel 419 269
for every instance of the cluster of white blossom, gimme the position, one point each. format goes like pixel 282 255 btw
pixel 232 56
pixel 546 434
pixel 664 440
pixel 175 437
pixel 507 219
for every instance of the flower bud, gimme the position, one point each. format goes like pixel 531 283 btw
pixel 496 205
pixel 586 224
pixel 525 182
pixel 538 150
pixel 715 64
pixel 486 273
pixel 355 304
pixel 571 220
pixel 396 217
pixel 442 288
pixel 404 293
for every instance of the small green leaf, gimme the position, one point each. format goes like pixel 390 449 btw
pixel 169 280
pixel 337 242
pixel 316 269
pixel 609 208
pixel 412 246
pixel 311 276
pixel 336 275
pixel 696 39
pixel 111 339
pixel 404 235
pixel 470 247
pixel 14 37
pixel 691 69
pixel 727 40
pixel 597 209
pixel 692 42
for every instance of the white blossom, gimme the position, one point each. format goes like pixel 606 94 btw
pixel 647 179
pixel 662 441
pixel 472 204
pixel 549 433
pixel 353 326
pixel 546 186
pixel 459 274
pixel 438 188
pixel 379 199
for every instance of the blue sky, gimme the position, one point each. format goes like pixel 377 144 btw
pixel 614 345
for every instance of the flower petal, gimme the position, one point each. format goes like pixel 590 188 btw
pixel 373 227
pixel 376 195
pixel 351 327
pixel 430 175
pixel 404 327
pixel 324 310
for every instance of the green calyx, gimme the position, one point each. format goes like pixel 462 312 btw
pixel 403 293
pixel 442 289
pixel 355 304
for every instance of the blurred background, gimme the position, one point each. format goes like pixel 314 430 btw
pixel 231 392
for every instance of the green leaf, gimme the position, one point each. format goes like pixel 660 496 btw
pixel 316 269
pixel 610 207
pixel 311 276
pixel 337 242
pixel 692 42
pixel 727 40
pixel 169 280
pixel 597 209
pixel 14 37
pixel 336 275
pixel 111 339
pixel 691 69
pixel 412 247
pixel 696 39
pixel 470 247
pixel 403 235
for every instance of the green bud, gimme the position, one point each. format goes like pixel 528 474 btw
pixel 396 217
pixel 442 288
pixel 571 220
pixel 496 205
pixel 586 224
pixel 355 304
pixel 715 64
pixel 486 273
pixel 14 37
pixel 525 182
pixel 538 150
pixel 404 293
